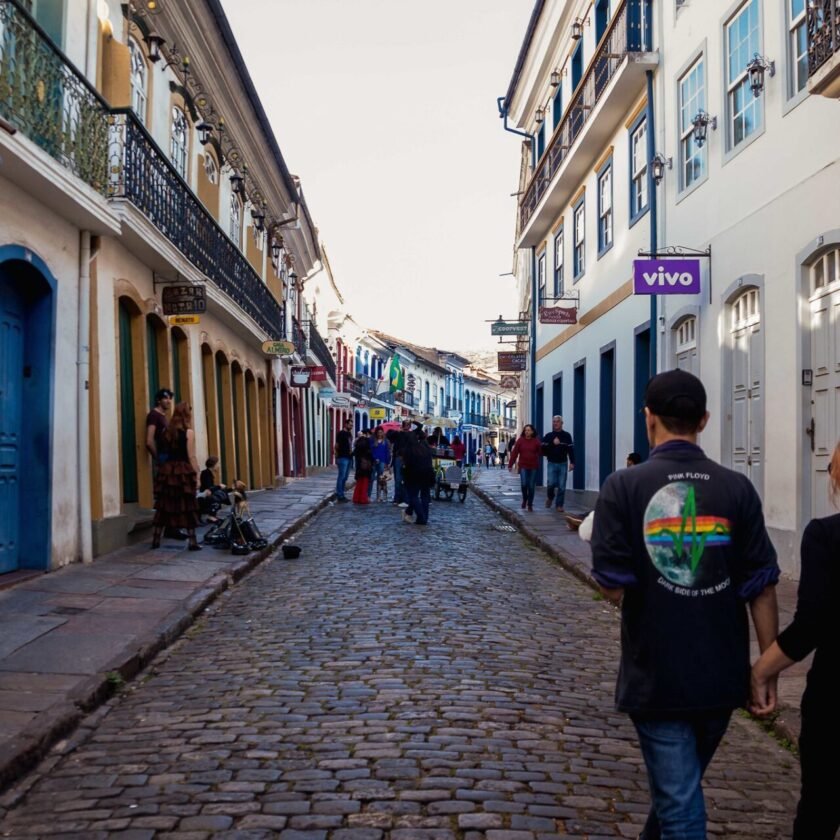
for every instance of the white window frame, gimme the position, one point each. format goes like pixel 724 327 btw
pixel 739 84
pixel 746 309
pixel 797 24
pixel 605 209
pixel 541 277
pixel 211 170
pixel 179 140
pixel 685 335
pixel 559 263
pixel 825 271
pixel 236 220
pixel 139 74
pixel 692 100
pixel 638 170
pixel 579 225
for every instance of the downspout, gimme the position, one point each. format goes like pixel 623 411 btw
pixel 651 152
pixel 654 215
pixel 83 399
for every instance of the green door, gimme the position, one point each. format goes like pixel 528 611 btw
pixel 128 424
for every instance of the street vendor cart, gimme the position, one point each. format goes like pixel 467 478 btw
pixel 450 477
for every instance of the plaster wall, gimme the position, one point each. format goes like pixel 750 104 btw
pixel 26 222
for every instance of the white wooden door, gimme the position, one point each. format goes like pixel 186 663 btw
pixel 747 397
pixel 824 426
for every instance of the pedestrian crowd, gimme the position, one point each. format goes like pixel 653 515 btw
pixel 679 543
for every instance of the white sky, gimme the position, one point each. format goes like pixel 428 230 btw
pixel 386 109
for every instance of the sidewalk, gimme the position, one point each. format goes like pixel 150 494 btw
pixel 67 637
pixel 548 529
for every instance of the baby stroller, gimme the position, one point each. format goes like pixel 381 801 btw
pixel 237 531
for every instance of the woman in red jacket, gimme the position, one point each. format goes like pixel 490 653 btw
pixel 527 451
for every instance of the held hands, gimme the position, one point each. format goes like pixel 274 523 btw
pixel 763 696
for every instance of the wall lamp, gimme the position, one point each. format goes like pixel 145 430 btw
pixel 756 69
pixel 577 28
pixel 259 218
pixel 701 123
pixel 539 116
pixel 237 183
pixel 154 42
pixel 658 166
pixel 555 78
pixel 277 248
pixel 204 131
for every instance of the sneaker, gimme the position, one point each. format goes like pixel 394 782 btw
pixel 548 502
pixel 342 499
pixel 523 505
pixel 403 505
pixel 407 517
pixel 531 508
pixel 561 509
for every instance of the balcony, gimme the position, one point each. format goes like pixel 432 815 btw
pixel 355 387
pixel 614 79
pixel 824 48
pixel 143 175
pixel 298 338
pixel 510 423
pixel 473 419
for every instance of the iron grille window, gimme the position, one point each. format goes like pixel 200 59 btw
pixel 742 43
pixel 692 101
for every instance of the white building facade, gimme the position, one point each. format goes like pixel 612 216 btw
pixel 729 121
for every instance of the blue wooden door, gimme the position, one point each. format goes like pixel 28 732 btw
pixel 11 404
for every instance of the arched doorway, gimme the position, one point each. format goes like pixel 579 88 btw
pixel 27 318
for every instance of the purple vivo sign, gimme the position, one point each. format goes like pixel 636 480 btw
pixel 666 277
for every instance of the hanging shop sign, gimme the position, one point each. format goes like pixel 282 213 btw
pixel 454 415
pixel 317 373
pixel 558 315
pixel 184 320
pixel 301 377
pixel 278 348
pixel 341 401
pixel 184 300
pixel 361 404
pixel 377 414
pixel 326 393
pixel 509 383
pixel 501 327
pixel 512 361
pixel 666 277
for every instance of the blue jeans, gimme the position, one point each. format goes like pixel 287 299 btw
pixel 343 465
pixel 399 490
pixel 528 481
pixel 676 753
pixel 377 470
pixel 419 499
pixel 557 476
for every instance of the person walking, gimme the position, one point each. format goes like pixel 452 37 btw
pixel 381 453
pixel 156 422
pixel 459 450
pixel 176 481
pixel 679 542
pixel 527 452
pixel 343 458
pixel 397 443
pixel 813 628
pixel 559 451
pixel 419 475
pixel 502 454
pixel 364 468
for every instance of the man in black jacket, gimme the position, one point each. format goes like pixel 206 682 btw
pixel 559 451
pixel 679 541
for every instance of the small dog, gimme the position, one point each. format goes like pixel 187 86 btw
pixel 382 487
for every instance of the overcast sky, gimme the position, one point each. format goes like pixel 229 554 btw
pixel 386 109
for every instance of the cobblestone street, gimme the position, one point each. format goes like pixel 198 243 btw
pixel 394 681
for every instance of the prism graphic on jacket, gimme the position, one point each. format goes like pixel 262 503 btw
pixel 678 533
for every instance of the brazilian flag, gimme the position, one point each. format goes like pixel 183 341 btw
pixel 396 376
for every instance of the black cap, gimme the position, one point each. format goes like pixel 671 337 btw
pixel 678 394
pixel 163 394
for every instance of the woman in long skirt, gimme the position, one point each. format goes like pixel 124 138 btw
pixel 176 481
pixel 364 466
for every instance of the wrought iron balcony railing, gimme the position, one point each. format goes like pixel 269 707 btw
pixel 142 174
pixel 321 351
pixel 510 423
pixel 620 39
pixel 355 387
pixel 48 100
pixel 823 33
pixel 298 338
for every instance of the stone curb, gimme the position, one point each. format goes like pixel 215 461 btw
pixel 35 741
pixel 784 725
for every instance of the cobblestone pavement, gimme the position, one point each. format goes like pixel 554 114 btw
pixel 394 681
